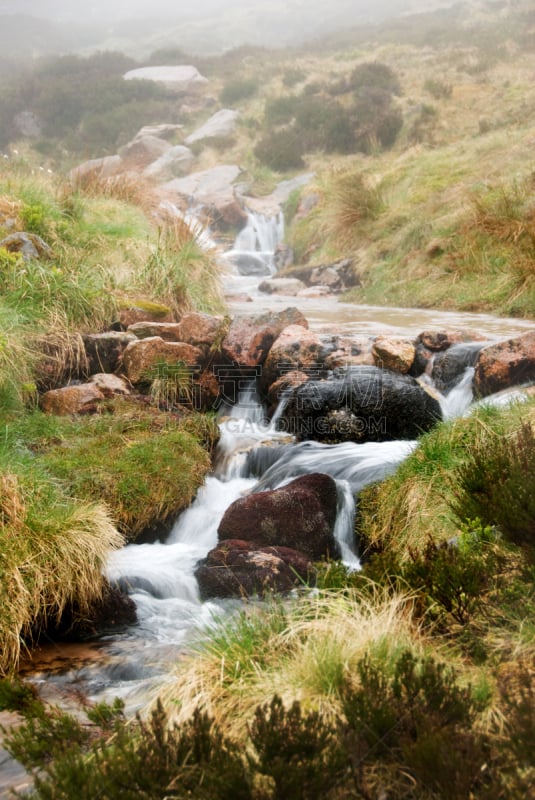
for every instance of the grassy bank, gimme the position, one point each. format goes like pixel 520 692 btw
pixel 74 489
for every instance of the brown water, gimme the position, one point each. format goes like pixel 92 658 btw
pixel 330 315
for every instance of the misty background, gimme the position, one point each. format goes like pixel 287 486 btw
pixel 138 27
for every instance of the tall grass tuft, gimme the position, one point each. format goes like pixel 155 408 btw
pixel 349 202
pixel 52 551
pixel 180 273
pixel 302 650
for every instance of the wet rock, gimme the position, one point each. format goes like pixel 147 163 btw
pixel 423 359
pixel 250 338
pixel 225 213
pixel 284 286
pixel 300 515
pixel 81 399
pixel 366 404
pixel 314 291
pixel 142 357
pixel 394 352
pixel 281 387
pixel 337 276
pixel 237 568
pixel 249 263
pixel 207 184
pixel 450 365
pixel 505 364
pixel 104 351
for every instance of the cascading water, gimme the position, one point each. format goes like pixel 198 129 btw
pixel 254 249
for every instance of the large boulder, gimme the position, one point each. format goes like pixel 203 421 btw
pixel 168 331
pixel 365 404
pixel 505 364
pixel 142 358
pixel 236 568
pixel 250 338
pixel 220 125
pixel 180 80
pixel 173 163
pixel 300 515
pixel 200 329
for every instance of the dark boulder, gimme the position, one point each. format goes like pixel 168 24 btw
pixel 300 515
pixel 236 568
pixel 366 404
pixel 450 365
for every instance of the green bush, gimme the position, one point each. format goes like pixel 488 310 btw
pixel 419 719
pixel 239 89
pixel 281 151
pixel 438 89
pixel 496 484
pixel 302 754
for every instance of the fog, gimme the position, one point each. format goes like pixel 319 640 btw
pixel 139 27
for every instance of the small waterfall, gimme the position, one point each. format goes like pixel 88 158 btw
pixel 458 400
pixel 253 252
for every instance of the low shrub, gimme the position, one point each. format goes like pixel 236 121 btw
pixel 496 483
pixel 239 89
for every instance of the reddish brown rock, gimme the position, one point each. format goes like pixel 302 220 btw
pixel 200 329
pixel 236 568
pixel 394 352
pixel 83 398
pixel 505 364
pixel 296 349
pixel 249 339
pixel 143 310
pixel 141 358
pixel 300 515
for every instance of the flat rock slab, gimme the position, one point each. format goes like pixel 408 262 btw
pixel 182 79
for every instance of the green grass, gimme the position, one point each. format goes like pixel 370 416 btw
pixel 417 502
pixel 144 465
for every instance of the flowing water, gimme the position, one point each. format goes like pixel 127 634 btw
pixel 251 455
